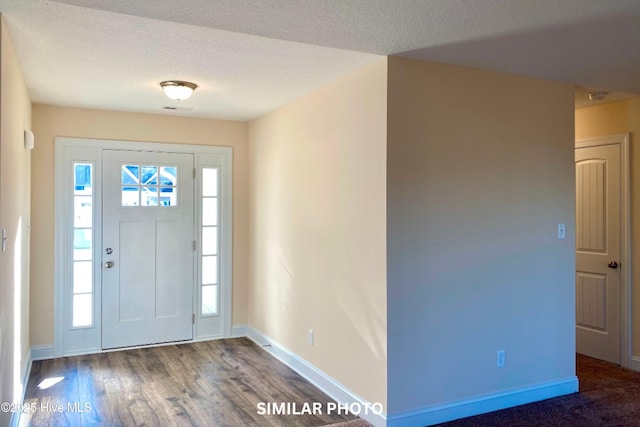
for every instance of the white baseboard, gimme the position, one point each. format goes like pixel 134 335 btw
pixel 634 363
pixel 239 331
pixel 314 375
pixel 483 404
pixel 42 352
pixel 15 417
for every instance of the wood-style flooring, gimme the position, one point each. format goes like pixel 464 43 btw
pixel 213 383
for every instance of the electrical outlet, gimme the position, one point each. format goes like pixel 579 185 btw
pixel 310 337
pixel 501 358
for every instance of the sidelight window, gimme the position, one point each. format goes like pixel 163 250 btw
pixel 209 259
pixel 83 202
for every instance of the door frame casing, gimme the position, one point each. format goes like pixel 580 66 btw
pixel 66 150
pixel 627 359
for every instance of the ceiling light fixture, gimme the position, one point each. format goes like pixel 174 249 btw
pixel 598 96
pixel 178 90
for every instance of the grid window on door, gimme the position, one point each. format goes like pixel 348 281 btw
pixel 210 289
pixel 149 185
pixel 82 304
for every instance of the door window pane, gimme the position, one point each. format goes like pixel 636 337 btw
pixel 168 196
pixel 209 240
pixel 82 310
pixel 149 175
pixel 149 196
pixel 210 211
pixel 130 196
pixel 169 175
pixel 82 244
pixel 209 270
pixel 82 211
pixel 82 277
pixel 210 299
pixel 82 179
pixel 210 182
pixel 130 174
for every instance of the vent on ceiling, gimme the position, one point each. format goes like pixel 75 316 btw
pixel 184 109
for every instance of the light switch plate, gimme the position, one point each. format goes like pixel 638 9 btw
pixel 561 232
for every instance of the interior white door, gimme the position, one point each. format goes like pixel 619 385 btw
pixel 598 252
pixel 148 258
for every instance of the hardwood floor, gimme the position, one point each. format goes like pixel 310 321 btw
pixel 213 383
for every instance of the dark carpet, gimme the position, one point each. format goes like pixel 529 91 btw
pixel 609 396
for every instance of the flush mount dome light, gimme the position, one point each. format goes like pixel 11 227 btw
pixel 178 90
pixel 598 96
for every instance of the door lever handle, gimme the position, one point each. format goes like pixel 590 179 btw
pixel 613 264
pixel 108 264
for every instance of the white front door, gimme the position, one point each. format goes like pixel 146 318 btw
pixel 598 252
pixel 147 248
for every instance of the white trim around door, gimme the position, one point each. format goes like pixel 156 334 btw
pixel 78 218
pixel 627 359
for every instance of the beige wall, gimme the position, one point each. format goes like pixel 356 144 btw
pixel 605 119
pixel 15 161
pixel 479 174
pixel 608 119
pixel 317 223
pixel 50 122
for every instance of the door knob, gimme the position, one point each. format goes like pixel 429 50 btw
pixel 613 264
pixel 108 264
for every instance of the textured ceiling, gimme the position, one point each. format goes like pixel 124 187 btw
pixel 251 56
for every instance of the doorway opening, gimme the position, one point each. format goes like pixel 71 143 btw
pixel 603 315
